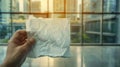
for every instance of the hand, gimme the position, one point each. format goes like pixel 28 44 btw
pixel 18 47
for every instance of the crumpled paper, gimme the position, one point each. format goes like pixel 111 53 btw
pixel 52 36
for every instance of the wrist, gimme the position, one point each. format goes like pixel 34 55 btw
pixel 3 65
pixel 6 64
pixel 9 63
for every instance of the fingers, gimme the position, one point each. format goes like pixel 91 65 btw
pixel 20 38
pixel 29 43
pixel 18 35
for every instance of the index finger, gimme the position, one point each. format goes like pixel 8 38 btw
pixel 18 34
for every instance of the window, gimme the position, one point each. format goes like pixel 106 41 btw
pixel 95 34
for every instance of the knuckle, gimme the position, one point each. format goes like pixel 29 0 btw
pixel 18 31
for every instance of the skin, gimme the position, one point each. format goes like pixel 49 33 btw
pixel 18 47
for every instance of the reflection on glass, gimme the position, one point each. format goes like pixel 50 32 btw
pixel 109 39
pixel 20 5
pixel 111 56
pixel 73 61
pixel 92 5
pixel 5 31
pixel 46 6
pixel 110 5
pixel 58 5
pixel 75 38
pixel 35 6
pixel 2 53
pixel 18 21
pixel 40 5
pixel 110 28
pixel 5 5
pixel 30 5
pixel 91 29
pixel 101 56
pixel 73 7
pixel 92 56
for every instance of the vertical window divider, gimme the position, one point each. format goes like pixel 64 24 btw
pixel 29 7
pixel 48 9
pixel 48 17
pixel 82 17
pixel 101 30
pixel 101 24
pixel 11 18
pixel 65 5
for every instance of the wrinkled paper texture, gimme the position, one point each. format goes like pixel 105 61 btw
pixel 52 36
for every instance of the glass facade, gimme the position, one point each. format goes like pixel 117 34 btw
pixel 95 34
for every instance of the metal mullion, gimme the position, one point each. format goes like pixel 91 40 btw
pixel 30 6
pixel 101 41
pixel 47 17
pixel 48 8
pixel 80 25
pixel 82 17
pixel 60 12
pixel 65 10
pixel 79 44
pixel 102 22
pixel 11 18
pixel 94 44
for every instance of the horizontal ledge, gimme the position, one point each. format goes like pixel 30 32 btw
pixel 83 44
pixel 60 12
pixel 98 33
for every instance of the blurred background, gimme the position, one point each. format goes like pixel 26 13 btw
pixel 95 34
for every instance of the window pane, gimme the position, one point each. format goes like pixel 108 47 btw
pixel 2 53
pixel 92 5
pixel 18 21
pixel 31 6
pixel 39 6
pixel 5 5
pixel 101 56
pixel 110 28
pixel 91 28
pixel 92 56
pixel 110 5
pixel 118 29
pixel 75 38
pixel 20 5
pixel 111 56
pixel 58 5
pixel 75 27
pixel 5 28
pixel 73 6
pixel 66 6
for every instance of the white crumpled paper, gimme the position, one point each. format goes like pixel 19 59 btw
pixel 52 36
